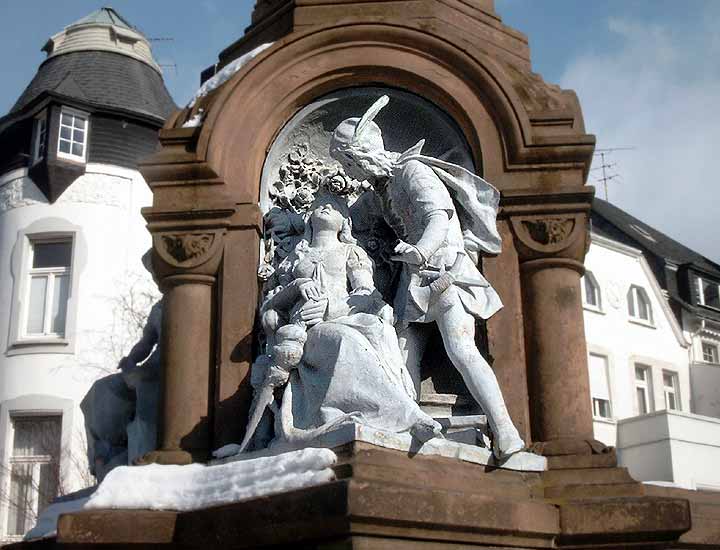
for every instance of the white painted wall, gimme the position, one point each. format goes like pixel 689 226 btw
pixel 668 446
pixel 671 446
pixel 612 333
pixel 705 380
pixel 105 203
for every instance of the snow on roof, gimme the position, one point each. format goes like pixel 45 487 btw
pixel 227 72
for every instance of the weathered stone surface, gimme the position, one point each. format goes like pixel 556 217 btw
pixel 377 503
pixel 349 433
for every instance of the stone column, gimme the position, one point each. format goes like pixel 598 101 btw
pixel 551 236
pixel 187 351
pixel 556 349
pixel 186 263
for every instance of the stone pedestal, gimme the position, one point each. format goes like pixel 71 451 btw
pixel 384 499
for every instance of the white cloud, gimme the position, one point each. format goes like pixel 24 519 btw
pixel 658 89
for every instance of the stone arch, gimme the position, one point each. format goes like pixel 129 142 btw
pixel 263 96
pixel 206 181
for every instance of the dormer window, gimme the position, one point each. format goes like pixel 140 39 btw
pixel 72 140
pixel 639 307
pixel 39 138
pixel 708 293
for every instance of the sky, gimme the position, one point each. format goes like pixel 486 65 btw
pixel 646 73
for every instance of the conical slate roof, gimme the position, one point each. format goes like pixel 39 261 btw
pixel 104 16
pixel 103 61
pixel 102 79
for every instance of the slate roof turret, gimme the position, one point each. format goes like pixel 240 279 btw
pixel 101 60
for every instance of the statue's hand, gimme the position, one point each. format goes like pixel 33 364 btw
pixel 312 312
pixel 310 291
pixel 276 376
pixel 408 254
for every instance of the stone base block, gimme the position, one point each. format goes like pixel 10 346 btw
pixel 388 499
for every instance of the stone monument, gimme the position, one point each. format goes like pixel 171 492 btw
pixel 330 279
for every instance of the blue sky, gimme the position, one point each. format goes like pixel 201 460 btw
pixel 646 73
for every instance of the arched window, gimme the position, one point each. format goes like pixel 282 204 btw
pixel 639 304
pixel 591 291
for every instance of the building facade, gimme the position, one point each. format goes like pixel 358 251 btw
pixel 651 322
pixel 71 238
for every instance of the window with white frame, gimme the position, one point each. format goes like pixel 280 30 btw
pixel 671 391
pixel 34 470
pixel 643 389
pixel 710 352
pixel 39 138
pixel 639 304
pixel 708 293
pixel 47 287
pixel 600 386
pixel 591 291
pixel 72 140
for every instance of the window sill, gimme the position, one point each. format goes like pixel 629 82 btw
pixel 604 420
pixel 594 309
pixel 28 346
pixel 69 158
pixel 641 322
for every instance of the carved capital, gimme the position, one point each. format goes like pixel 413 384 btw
pixel 186 249
pixel 188 252
pixel 553 235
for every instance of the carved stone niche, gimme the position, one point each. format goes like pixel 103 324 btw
pixel 289 183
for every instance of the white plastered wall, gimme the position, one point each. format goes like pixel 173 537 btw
pixel 624 341
pixel 104 207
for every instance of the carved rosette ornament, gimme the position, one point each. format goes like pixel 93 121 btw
pixel 187 251
pixel 185 248
pixel 549 230
pixel 552 235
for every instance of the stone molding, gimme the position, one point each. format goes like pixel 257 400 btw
pixel 332 58
pixel 187 252
pixel 550 226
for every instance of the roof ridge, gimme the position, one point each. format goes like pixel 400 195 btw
pixel 642 239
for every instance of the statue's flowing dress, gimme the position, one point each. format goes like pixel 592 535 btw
pixel 351 362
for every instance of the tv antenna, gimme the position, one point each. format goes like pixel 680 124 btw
pixel 604 166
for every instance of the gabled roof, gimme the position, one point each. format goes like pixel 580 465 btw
pixel 648 238
pixel 104 16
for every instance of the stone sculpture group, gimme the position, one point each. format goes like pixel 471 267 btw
pixel 334 350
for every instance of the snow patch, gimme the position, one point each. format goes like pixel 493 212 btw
pixel 227 72
pixel 46 525
pixel 195 120
pixel 197 486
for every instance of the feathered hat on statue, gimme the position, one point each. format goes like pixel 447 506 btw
pixel 360 132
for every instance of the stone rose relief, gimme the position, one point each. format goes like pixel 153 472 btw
pixel 361 249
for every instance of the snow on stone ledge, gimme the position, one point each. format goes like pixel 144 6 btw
pixel 197 486
pixel 227 72
pixel 46 525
